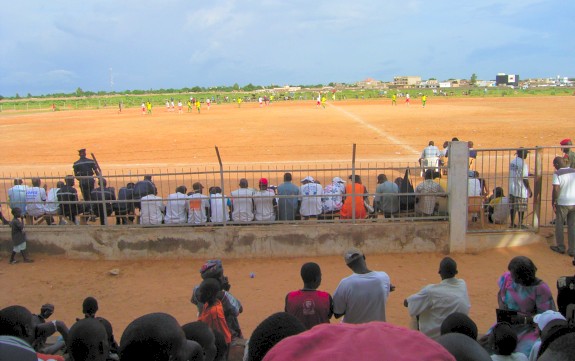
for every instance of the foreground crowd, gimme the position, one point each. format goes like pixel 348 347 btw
pixel 529 325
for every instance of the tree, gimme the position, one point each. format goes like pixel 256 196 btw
pixel 79 92
pixel 473 80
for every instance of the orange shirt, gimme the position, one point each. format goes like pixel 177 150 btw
pixel 346 210
pixel 214 317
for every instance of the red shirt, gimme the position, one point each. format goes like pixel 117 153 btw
pixel 311 307
pixel 214 317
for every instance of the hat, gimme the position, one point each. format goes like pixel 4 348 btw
pixel 566 141
pixel 544 318
pixel 337 180
pixel 212 269
pixel 367 341
pixel 352 254
pixel 197 186
pixel 308 179
pixel 263 181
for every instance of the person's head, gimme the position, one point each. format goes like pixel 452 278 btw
pixel 18 181
pixel 17 321
pixel 202 334
pixel 69 180
pixel 17 212
pixel 545 318
pixel 263 184
pixel 308 179
pixel 82 152
pixel 431 142
pixel 88 340
pixel 46 310
pixel 90 307
pixel 459 322
pixel 499 192
pixel 130 185
pixel 447 268
pixel 355 179
pixel 381 178
pixel 470 144
pixel 243 183
pixel 287 177
pixel 561 349
pixel 208 290
pixel 197 187
pixel 311 275
pixel 36 182
pixel 271 331
pixel 429 174
pixel 354 258
pixel 213 268
pixel 455 139
pixel 522 153
pixel 463 348
pixel 60 184
pixel 102 182
pixel 155 336
pixel 445 144
pixel 398 181
pixel 215 190
pixel 181 189
pixel 559 162
pixel 566 142
pixel 523 270
pixel 503 339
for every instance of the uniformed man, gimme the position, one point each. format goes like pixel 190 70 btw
pixel 84 170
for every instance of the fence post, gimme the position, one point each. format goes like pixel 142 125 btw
pixel 457 195
pixel 537 185
pixel 222 183
pixel 353 184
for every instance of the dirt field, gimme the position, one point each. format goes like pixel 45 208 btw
pixel 46 143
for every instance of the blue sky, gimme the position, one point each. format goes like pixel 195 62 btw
pixel 60 45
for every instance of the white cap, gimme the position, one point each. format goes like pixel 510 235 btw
pixel 337 180
pixel 544 318
pixel 308 178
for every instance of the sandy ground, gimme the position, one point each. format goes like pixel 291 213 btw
pixel 46 143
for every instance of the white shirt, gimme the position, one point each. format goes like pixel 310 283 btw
pixel 52 205
pixel 473 187
pixel 515 356
pixel 518 171
pixel 152 209
pixel 431 151
pixel 35 198
pixel 500 210
pixel 197 208
pixel 437 301
pixel 264 207
pixel 362 297
pixel 565 179
pixel 243 205
pixel 218 211
pixel 310 206
pixel 176 209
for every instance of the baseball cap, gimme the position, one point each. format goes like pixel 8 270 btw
pixel 197 186
pixel 308 179
pixel 566 141
pixel 263 181
pixel 367 341
pixel 544 318
pixel 352 254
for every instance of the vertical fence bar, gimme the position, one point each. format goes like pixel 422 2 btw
pixel 537 184
pixel 222 184
pixel 353 183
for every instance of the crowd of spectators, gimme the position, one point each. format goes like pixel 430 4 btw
pixel 527 325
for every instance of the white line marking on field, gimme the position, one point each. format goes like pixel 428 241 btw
pixel 386 135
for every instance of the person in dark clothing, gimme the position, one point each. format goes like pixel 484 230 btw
pixel 103 193
pixel 84 170
pixel 143 188
pixel 125 207
pixel 68 193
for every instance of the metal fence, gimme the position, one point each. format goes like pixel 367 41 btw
pixel 492 166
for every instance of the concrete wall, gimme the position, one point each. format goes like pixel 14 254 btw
pixel 313 239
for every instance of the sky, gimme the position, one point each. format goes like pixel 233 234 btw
pixel 57 46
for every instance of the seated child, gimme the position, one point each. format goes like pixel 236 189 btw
pixel 504 341
pixel 498 208
pixel 213 312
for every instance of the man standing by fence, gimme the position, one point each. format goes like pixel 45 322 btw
pixel 84 170
pixel 519 189
pixel 563 201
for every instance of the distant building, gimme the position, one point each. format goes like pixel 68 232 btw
pixel 406 81
pixel 507 79
pixel 370 83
